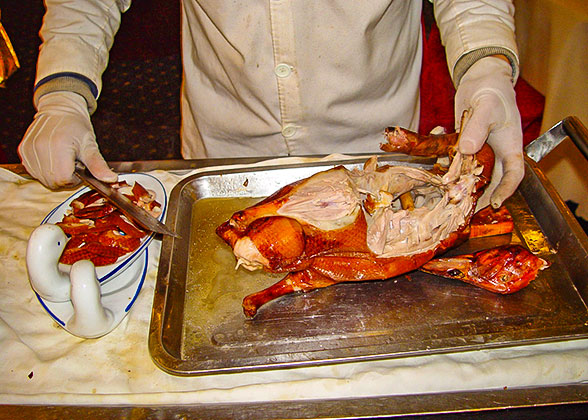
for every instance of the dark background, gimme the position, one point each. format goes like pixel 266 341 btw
pixel 138 116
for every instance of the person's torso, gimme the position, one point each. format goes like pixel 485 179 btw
pixel 297 77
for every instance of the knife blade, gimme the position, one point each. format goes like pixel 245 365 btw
pixel 126 206
pixel 568 127
pixel 546 142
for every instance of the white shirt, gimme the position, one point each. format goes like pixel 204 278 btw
pixel 286 77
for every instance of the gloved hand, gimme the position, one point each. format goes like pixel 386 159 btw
pixel 487 90
pixel 60 134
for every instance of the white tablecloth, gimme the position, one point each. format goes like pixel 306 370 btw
pixel 41 363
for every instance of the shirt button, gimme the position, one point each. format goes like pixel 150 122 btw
pixel 288 131
pixel 283 70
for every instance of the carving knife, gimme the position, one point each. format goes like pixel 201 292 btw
pixel 131 210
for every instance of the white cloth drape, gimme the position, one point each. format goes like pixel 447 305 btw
pixel 41 363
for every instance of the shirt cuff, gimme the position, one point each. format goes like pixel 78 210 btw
pixel 465 61
pixel 70 82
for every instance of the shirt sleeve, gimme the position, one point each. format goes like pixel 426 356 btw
pixel 77 36
pixel 473 29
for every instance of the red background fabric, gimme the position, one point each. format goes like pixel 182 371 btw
pixel 437 92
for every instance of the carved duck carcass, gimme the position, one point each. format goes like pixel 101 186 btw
pixel 373 223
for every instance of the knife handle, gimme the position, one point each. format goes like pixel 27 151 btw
pixel 578 133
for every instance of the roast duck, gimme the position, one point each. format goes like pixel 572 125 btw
pixel 375 223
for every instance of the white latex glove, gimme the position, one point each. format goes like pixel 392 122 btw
pixel 486 88
pixel 60 134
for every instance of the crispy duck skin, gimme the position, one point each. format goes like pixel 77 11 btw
pixel 504 269
pixel 340 225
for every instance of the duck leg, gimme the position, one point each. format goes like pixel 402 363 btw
pixel 299 281
pixel 335 268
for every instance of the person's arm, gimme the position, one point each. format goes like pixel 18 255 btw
pixel 481 51
pixel 77 36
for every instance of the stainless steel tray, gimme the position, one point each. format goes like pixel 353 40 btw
pixel 414 314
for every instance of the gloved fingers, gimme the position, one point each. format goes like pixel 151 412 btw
pixel 60 151
pixel 63 175
pixel 507 145
pixel 506 177
pixel 60 134
pixel 26 150
pixel 37 153
pixel 513 171
pixel 487 90
pixel 486 111
pixel 91 157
